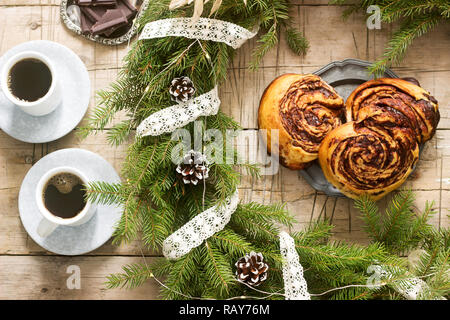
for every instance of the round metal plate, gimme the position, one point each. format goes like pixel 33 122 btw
pixel 142 5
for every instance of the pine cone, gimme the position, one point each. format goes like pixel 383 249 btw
pixel 181 89
pixel 251 269
pixel 193 168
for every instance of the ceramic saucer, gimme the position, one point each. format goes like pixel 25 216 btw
pixel 70 240
pixel 76 88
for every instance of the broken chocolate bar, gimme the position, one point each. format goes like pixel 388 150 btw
pixel 98 19
pixel 110 21
pixel 97 3
pixel 86 24
pixel 93 13
pixel 127 8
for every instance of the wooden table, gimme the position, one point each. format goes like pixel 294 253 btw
pixel 29 272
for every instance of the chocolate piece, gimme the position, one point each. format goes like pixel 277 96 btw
pixel 110 21
pixel 118 32
pixel 97 3
pixel 127 8
pixel 86 23
pixel 83 2
pixel 95 14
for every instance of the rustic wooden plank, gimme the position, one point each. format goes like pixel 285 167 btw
pixel 46 278
pixel 44 23
pixel 56 2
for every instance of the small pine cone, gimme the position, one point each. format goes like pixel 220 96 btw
pixel 251 269
pixel 181 89
pixel 193 168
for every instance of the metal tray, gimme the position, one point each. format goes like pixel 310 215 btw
pixel 141 5
pixel 344 76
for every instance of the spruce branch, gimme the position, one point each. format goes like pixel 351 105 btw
pixel 133 275
pixel 400 228
pixel 416 18
pixel 104 193
pixel 401 40
pixel 296 41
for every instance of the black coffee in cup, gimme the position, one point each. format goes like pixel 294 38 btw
pixel 64 196
pixel 29 79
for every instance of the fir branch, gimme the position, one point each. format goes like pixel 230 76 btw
pixel 133 275
pixel 334 256
pixel 297 41
pixel 399 211
pixel 119 133
pixel 268 41
pixel 128 226
pixel 400 228
pixel 217 269
pixel 181 274
pixel 417 17
pixel 318 232
pixel 401 40
pixel 371 217
pixel 104 193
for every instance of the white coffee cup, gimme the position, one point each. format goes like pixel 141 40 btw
pixel 49 221
pixel 43 105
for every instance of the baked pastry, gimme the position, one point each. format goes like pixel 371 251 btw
pixel 304 109
pixel 377 149
pixel 399 98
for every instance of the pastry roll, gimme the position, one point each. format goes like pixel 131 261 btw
pixel 304 109
pixel 401 99
pixel 362 157
pixel 377 149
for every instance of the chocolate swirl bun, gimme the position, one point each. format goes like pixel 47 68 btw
pixel 304 109
pixel 375 153
pixel 400 99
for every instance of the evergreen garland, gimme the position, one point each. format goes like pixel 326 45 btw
pixel 416 18
pixel 156 203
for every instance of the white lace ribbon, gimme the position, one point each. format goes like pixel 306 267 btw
pixel 204 29
pixel 200 228
pixel 295 287
pixel 177 116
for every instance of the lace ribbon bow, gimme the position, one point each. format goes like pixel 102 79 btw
pixel 177 116
pixel 204 29
pixel 200 228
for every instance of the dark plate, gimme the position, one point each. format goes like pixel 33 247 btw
pixel 344 76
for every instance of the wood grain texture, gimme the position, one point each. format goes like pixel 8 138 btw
pixel 41 275
pixel 37 277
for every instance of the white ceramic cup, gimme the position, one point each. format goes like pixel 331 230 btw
pixel 49 221
pixel 43 105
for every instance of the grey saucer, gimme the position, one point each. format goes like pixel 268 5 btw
pixel 76 88
pixel 67 240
